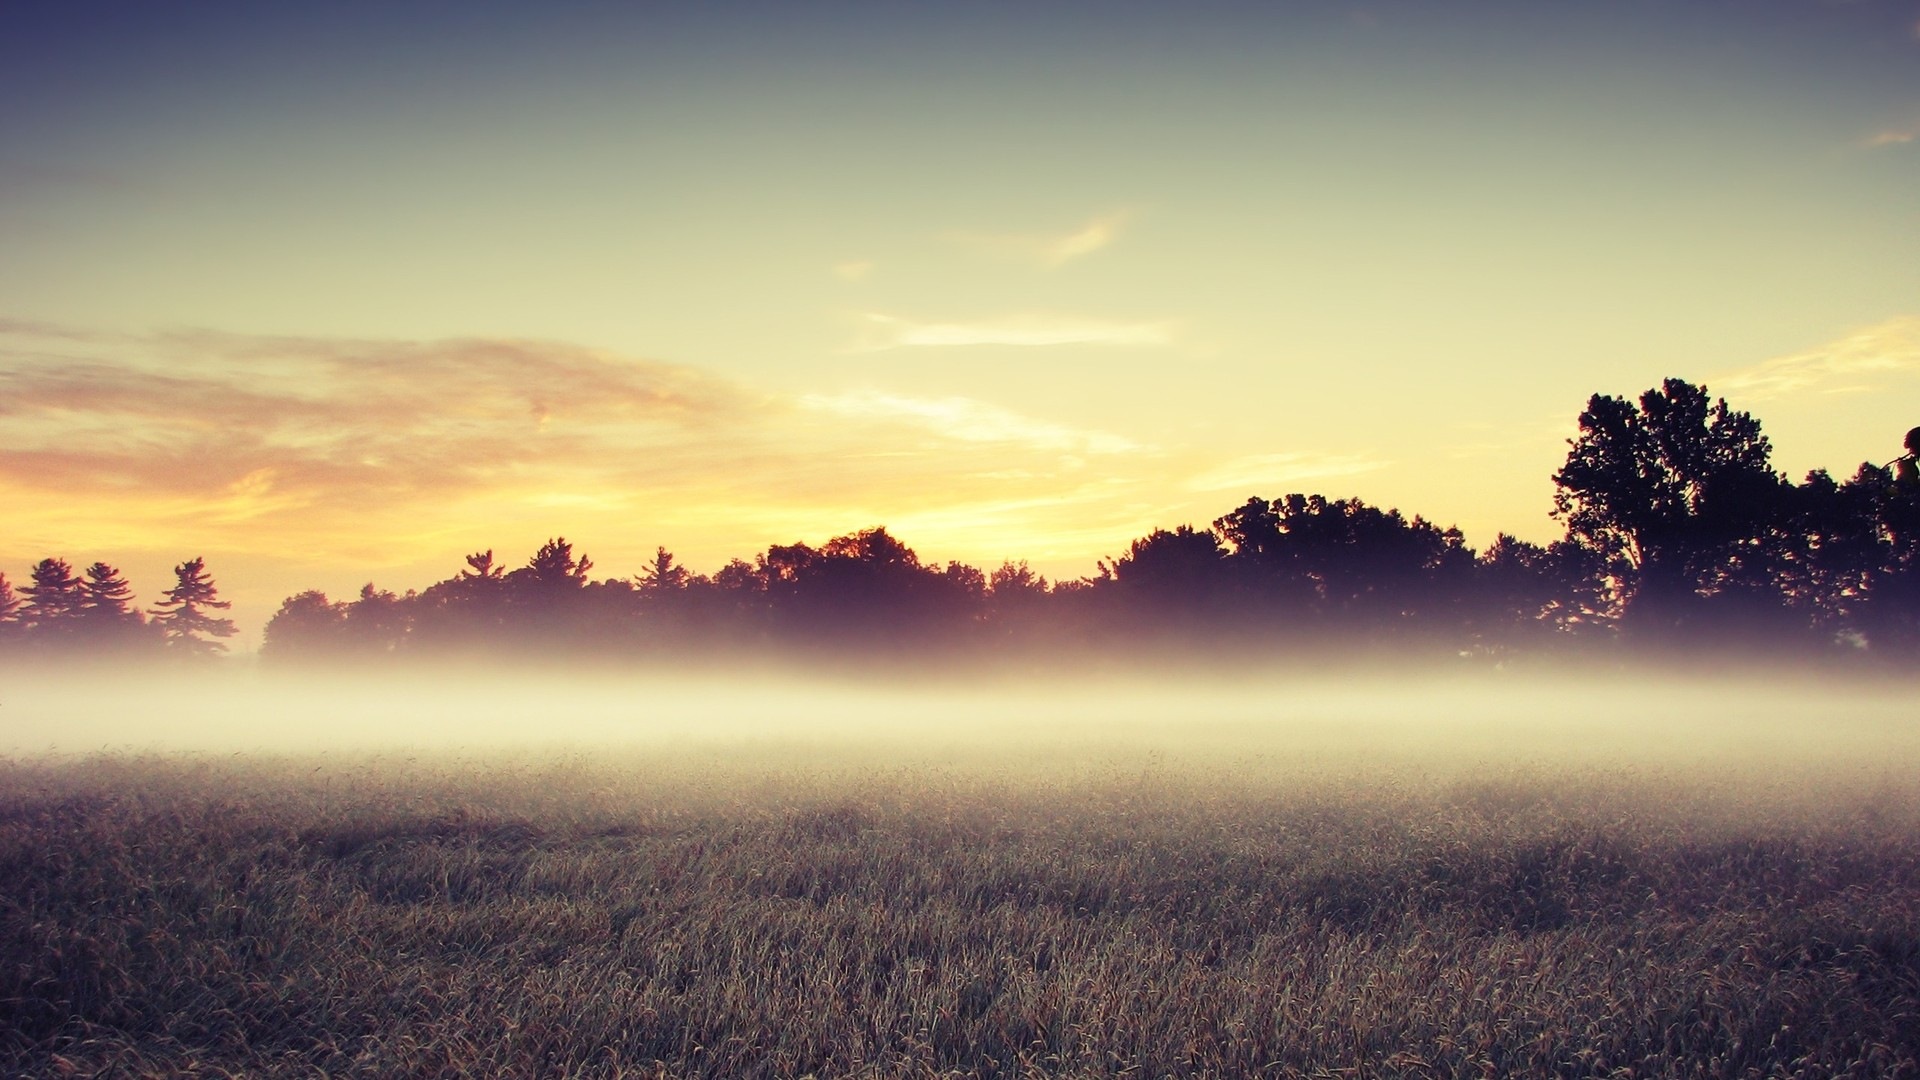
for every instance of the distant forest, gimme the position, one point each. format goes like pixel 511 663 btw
pixel 1680 535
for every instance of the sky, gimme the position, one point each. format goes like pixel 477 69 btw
pixel 337 293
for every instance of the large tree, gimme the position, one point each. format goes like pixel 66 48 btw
pixel 182 615
pixel 1678 496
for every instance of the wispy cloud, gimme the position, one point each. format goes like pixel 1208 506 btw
pixel 1047 249
pixel 882 332
pixel 967 420
pixel 1275 474
pixel 367 453
pixel 853 269
pixel 195 429
pixel 1896 136
pixel 356 455
pixel 1888 348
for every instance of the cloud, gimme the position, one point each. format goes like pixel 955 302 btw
pixel 336 459
pixel 192 428
pixel 883 332
pixel 1048 250
pixel 362 454
pixel 967 420
pixel 1893 136
pixel 1278 473
pixel 1888 348
pixel 853 269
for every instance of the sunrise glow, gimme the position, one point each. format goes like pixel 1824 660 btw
pixel 329 298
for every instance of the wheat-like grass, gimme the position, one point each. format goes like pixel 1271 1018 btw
pixel 193 917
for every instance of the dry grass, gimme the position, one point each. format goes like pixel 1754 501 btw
pixel 185 916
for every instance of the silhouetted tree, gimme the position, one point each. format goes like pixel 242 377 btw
pixel 1015 583
pixel 739 576
pixel 1677 495
pixel 554 567
pixel 1273 572
pixel 1348 563
pixel 1169 573
pixel 106 615
pixel 1525 595
pixel 481 567
pixel 465 611
pixel 1017 604
pixel 307 626
pixel 1826 554
pixel 734 601
pixel 376 622
pixel 182 614
pixel 106 595
pixel 1884 603
pixel 956 601
pixel 52 602
pixel 662 576
pixel 864 586
pixel 546 598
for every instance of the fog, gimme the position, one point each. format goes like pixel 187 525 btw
pixel 1851 729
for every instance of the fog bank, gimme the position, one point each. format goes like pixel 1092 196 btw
pixel 1428 722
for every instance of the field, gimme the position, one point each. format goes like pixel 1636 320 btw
pixel 770 909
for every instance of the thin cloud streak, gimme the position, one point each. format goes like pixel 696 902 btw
pixel 1890 348
pixel 1047 250
pixel 967 420
pixel 884 332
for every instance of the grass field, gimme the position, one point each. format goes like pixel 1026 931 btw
pixel 699 915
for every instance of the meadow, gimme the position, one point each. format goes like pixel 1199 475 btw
pixel 776 907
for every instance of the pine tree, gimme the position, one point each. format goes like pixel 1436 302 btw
pixel 482 567
pixel 182 616
pixel 106 597
pixel 663 575
pixel 106 614
pixel 52 601
pixel 554 567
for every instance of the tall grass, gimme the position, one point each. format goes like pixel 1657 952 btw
pixel 636 918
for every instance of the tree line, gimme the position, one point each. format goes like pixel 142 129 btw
pixel 58 610
pixel 1679 534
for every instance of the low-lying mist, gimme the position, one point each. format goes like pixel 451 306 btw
pixel 1367 871
pixel 1361 719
